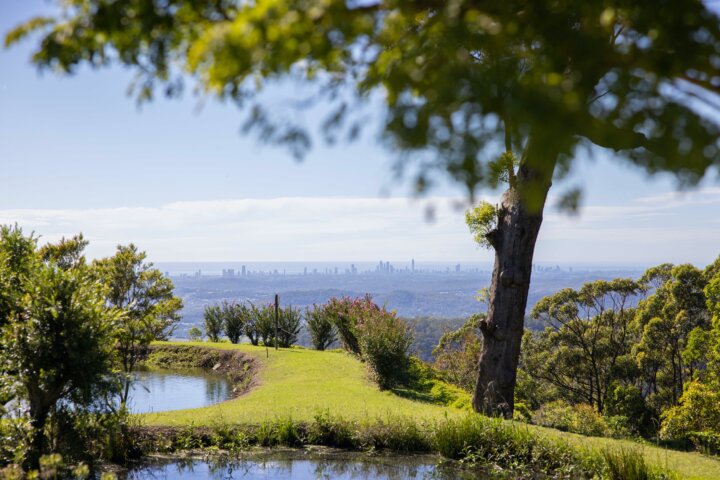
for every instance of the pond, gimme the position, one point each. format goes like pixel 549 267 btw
pixel 300 465
pixel 159 390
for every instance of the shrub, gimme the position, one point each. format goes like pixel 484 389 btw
pixel 281 431
pixel 557 414
pixel 705 441
pixel 399 434
pixel 379 337
pixel 288 326
pixel 326 429
pixel 482 441
pixel 587 421
pixel 699 410
pixel 619 426
pixel 195 334
pixel 322 332
pixel 582 418
pixel 626 401
pixel 385 341
pixel 213 322
pixel 522 412
pixel 233 317
pixel 347 314
pixel 425 384
pixel 265 323
pixel 251 328
pixel 228 437
pixel 458 352
pixel 628 465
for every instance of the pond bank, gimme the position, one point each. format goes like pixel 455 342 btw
pixel 239 368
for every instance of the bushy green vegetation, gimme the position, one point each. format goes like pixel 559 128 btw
pixel 457 353
pixel 70 334
pixel 580 418
pixel 622 358
pixel 377 336
pixel 213 320
pixel 320 326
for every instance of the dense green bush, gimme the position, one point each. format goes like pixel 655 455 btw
pixel 385 342
pixel 581 418
pixel 260 325
pixel 346 315
pixel 325 429
pixel 522 412
pixel 377 336
pixel 424 383
pixel 320 326
pixel 289 324
pixel 705 441
pixel 264 323
pixel 234 316
pixel 458 352
pixel 626 401
pixel 212 316
pixel 195 334
pixel 697 416
pixel 619 426
pixel 491 442
pixel 251 329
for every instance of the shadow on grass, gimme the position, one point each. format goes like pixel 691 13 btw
pixel 424 384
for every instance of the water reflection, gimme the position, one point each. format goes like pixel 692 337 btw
pixel 157 390
pixel 302 467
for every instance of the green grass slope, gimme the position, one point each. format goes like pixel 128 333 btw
pixel 298 383
pixel 688 465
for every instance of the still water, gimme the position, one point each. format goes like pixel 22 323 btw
pixel 301 466
pixel 158 390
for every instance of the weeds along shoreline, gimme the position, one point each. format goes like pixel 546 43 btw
pixel 474 441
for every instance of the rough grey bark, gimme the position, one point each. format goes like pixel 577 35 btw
pixel 514 243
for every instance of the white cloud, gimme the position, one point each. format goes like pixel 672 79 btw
pixel 650 229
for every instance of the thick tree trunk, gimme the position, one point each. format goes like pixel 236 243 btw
pixel 514 244
pixel 38 418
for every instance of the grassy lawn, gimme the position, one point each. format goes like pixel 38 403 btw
pixel 689 465
pixel 298 383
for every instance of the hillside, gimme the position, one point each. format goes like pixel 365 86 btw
pixel 299 383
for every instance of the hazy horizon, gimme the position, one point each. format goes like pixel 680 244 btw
pixel 182 184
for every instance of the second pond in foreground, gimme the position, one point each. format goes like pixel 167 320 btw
pixel 298 465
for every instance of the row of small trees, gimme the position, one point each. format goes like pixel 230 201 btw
pixel 256 322
pixel 377 336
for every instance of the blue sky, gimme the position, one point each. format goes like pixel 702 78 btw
pixel 77 154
